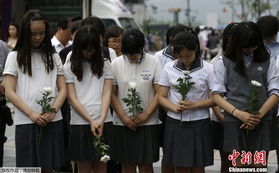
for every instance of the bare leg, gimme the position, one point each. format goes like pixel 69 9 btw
pixel 129 167
pixel 145 168
pixel 99 167
pixel 84 167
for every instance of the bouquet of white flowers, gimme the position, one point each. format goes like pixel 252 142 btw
pixel 253 104
pixel 133 100
pixel 45 103
pixel 184 86
pixel 101 149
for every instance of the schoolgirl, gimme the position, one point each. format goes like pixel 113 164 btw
pixel 89 80
pixel 187 142
pixel 244 60
pixel 32 66
pixel 137 137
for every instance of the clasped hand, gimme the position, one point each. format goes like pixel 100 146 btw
pixel 42 120
pixel 132 122
pixel 249 120
pixel 185 105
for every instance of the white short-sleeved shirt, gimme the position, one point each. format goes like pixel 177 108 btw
pixel 58 45
pixel 165 55
pixel 202 74
pixel 112 54
pixel 213 61
pixel 145 74
pixel 29 88
pixel 89 90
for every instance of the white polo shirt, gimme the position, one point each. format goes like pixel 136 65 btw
pixel 202 74
pixel 165 56
pixel 58 45
pixel 89 91
pixel 145 74
pixel 29 88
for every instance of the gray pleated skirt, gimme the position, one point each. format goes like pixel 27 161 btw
pixel 140 146
pixel 263 137
pixel 81 145
pixel 49 153
pixel 188 144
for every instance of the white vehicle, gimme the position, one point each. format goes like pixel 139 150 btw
pixel 112 12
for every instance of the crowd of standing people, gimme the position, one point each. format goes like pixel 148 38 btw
pixel 91 71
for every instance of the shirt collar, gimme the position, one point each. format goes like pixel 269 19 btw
pixel 168 52
pixel 55 41
pixel 196 65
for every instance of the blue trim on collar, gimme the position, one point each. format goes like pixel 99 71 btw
pixel 196 65
pixel 168 53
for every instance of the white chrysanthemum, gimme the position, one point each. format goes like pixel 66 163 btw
pixel 185 72
pixel 256 83
pixel 47 89
pixel 105 158
pixel 132 85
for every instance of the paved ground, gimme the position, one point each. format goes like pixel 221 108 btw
pixel 9 156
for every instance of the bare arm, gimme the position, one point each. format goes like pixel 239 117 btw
pixel 268 104
pixel 78 107
pixel 10 92
pixel 119 110
pixel 106 95
pixel 218 114
pixel 152 106
pixel 198 105
pixel 245 117
pixel 62 91
pixel 165 102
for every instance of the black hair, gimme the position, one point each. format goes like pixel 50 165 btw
pixel 87 37
pixel 63 23
pixel 172 31
pixel 186 40
pixel 268 25
pixel 76 18
pixel 96 22
pixel 17 28
pixel 227 34
pixel 23 45
pixel 245 35
pixel 133 41
pixel 112 31
pixel 75 26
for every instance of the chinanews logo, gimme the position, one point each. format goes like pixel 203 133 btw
pixel 248 159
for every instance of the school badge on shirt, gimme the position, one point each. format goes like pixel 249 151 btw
pixel 146 74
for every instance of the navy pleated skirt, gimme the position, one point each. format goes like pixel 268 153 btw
pixel 188 144
pixel 140 146
pixel 47 152
pixel 81 143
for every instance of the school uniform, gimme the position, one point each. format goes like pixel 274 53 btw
pixel 188 143
pixel 165 55
pixel 142 145
pixel 49 152
pixel 236 88
pixel 89 93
